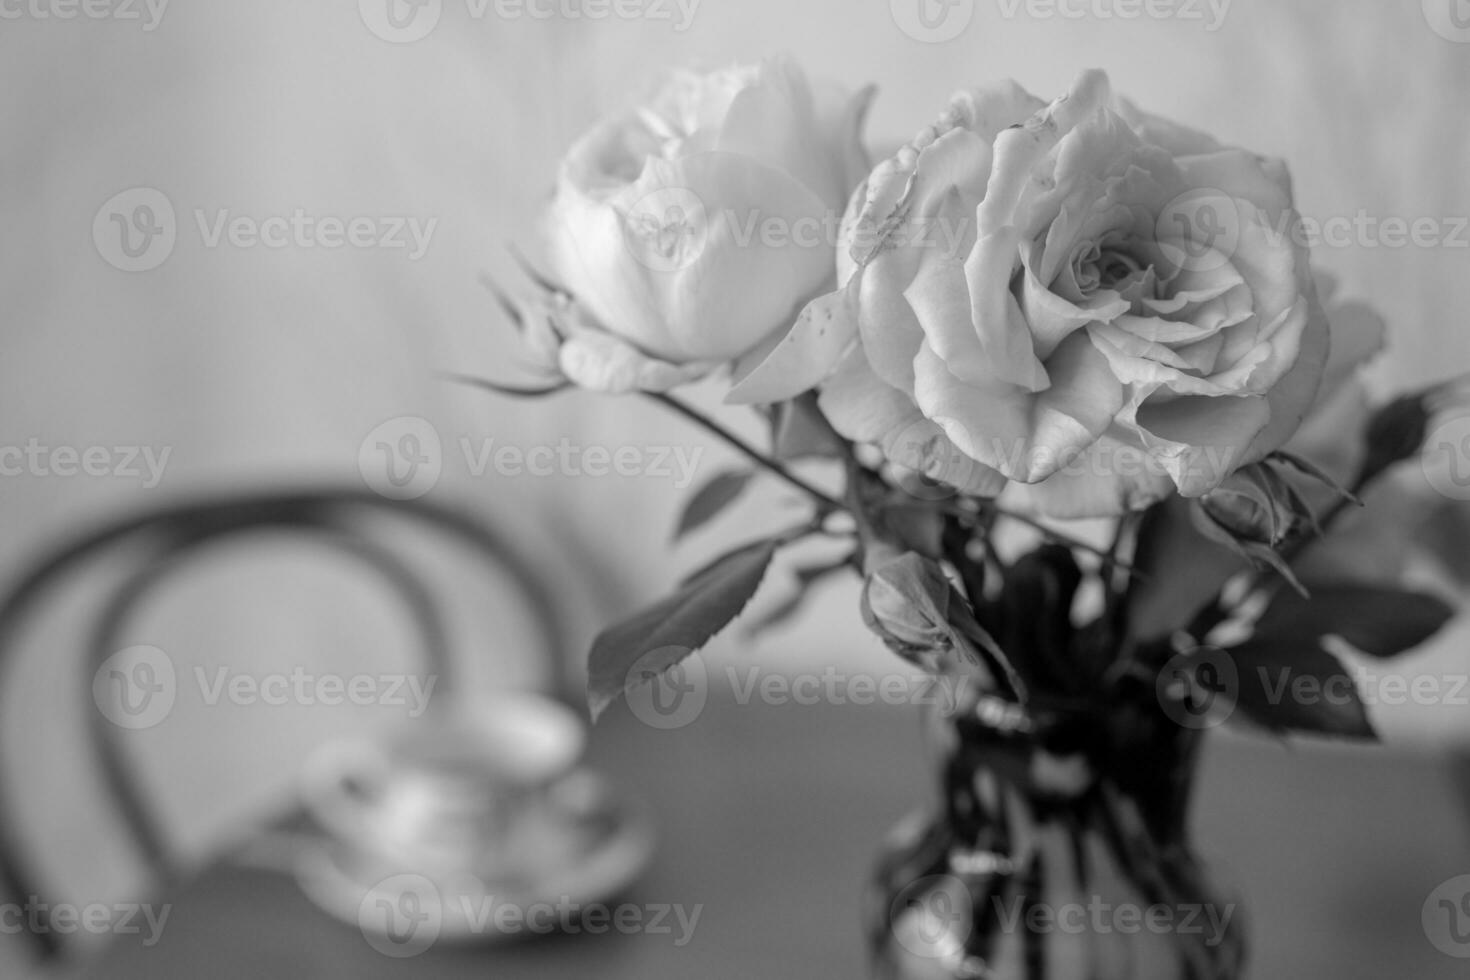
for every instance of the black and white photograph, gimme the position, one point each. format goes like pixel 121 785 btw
pixel 730 489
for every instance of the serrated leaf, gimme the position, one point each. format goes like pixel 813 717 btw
pixel 1380 622
pixel 1298 689
pixel 805 356
pixel 651 641
pixel 722 490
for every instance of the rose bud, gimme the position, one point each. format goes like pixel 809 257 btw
pixel 1253 505
pixel 1397 431
pixel 897 603
pixel 698 224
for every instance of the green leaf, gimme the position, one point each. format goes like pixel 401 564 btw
pixel 650 642
pixel 722 490
pixel 1298 689
pixel 1380 622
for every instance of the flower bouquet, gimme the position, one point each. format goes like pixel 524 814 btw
pixel 1057 381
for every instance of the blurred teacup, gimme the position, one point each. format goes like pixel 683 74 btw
pixel 447 795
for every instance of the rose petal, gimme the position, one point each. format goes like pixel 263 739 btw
pixel 1025 435
pixel 860 406
pixel 891 332
pixel 696 303
pixel 1198 441
pixel 808 353
pixel 911 187
pixel 1293 395
pixel 988 110
pixel 864 409
pixel 998 323
pixel 777 122
pixel 1102 165
pixel 940 300
pixel 1177 139
pixel 599 361
pixel 1239 174
pixel 1053 319
pixel 774 122
pixel 847 232
pixel 1111 477
pixel 1018 149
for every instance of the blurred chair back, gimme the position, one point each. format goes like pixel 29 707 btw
pixel 169 541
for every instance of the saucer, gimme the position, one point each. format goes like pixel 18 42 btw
pixel 591 844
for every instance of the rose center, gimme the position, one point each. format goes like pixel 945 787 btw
pixel 1114 266
pixel 1108 265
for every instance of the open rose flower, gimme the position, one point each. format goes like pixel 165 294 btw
pixel 661 222
pixel 1078 306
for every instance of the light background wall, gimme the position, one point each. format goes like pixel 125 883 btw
pixel 258 365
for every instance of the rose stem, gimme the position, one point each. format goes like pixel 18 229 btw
pixel 1107 558
pixel 828 502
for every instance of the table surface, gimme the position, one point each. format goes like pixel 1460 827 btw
pixel 770 816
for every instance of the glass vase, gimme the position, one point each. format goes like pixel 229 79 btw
pixel 1058 850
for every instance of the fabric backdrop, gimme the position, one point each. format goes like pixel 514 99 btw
pixel 253 365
